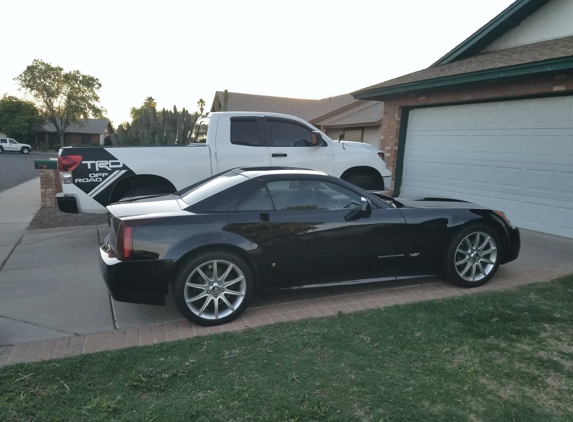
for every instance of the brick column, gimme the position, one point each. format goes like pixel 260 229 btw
pixel 50 185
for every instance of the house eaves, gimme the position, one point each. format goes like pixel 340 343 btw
pixel 503 22
pixel 543 56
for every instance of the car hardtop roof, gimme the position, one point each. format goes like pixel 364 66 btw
pixel 253 172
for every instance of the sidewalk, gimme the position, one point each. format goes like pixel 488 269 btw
pixel 54 303
pixel 17 208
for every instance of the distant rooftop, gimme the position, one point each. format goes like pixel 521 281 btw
pixel 89 126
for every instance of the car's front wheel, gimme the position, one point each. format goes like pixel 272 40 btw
pixel 473 256
pixel 213 288
pixel 25 150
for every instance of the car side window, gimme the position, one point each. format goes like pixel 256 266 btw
pixel 288 134
pixel 12 142
pixel 301 195
pixel 257 201
pixel 245 132
pixel 3 141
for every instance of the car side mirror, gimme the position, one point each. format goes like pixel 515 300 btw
pixel 365 207
pixel 316 139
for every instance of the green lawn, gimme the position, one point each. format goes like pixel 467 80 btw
pixel 502 356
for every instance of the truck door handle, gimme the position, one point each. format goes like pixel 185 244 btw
pixel 279 154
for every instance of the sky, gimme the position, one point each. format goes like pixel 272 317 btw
pixel 181 51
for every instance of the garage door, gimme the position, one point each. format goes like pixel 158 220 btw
pixel 516 156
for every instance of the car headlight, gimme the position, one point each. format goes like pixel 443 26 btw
pixel 503 216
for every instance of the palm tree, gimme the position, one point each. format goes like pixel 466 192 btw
pixel 201 104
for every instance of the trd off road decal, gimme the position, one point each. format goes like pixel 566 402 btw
pixel 98 174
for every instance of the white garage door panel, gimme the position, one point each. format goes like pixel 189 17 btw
pixel 514 155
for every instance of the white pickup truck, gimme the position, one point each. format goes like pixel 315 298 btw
pixel 95 177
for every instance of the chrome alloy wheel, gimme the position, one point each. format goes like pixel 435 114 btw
pixel 475 256
pixel 215 289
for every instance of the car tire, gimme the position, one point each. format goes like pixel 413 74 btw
pixel 473 256
pixel 213 288
pixel 142 191
pixel 1 150
pixel 25 150
pixel 363 181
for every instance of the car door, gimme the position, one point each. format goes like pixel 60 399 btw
pixel 12 145
pixel 289 145
pixel 240 144
pixel 319 236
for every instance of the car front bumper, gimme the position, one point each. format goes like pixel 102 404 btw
pixel 513 245
pixel 143 282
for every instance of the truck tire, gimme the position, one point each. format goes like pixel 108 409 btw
pixel 362 181
pixel 142 191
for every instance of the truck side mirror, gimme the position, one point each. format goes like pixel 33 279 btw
pixel 316 139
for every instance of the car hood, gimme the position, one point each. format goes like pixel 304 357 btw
pixel 438 203
pixel 146 205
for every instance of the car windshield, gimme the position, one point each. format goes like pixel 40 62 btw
pixel 205 188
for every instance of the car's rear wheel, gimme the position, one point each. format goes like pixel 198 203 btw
pixel 25 150
pixel 213 288
pixel 473 256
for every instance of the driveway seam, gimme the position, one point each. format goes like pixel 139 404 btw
pixel 11 252
pixel 37 325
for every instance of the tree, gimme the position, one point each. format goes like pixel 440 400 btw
pixel 136 112
pixel 64 98
pixel 151 127
pixel 201 104
pixel 18 118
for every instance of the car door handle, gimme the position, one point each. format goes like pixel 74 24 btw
pixel 279 154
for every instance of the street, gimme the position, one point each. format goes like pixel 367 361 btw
pixel 16 169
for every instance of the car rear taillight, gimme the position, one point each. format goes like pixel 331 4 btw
pixel 68 162
pixel 124 241
pixel 381 155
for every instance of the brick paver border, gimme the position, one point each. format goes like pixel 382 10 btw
pixel 288 307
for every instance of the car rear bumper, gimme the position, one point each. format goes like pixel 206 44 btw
pixel 143 282
pixel 513 245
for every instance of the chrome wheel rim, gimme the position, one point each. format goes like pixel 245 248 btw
pixel 215 289
pixel 475 256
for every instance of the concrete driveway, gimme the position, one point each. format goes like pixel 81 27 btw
pixel 54 303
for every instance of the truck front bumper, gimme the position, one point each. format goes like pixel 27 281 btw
pixel 67 203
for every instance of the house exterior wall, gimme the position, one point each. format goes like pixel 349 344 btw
pixel 372 136
pixel 394 106
pixel 551 21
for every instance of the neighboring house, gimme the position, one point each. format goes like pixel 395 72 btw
pixel 492 120
pixel 341 115
pixel 89 132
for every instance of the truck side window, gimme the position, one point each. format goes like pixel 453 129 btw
pixel 286 134
pixel 199 134
pixel 245 132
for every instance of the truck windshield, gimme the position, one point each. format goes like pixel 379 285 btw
pixel 199 134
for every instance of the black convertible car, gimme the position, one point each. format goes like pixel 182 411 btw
pixel 223 239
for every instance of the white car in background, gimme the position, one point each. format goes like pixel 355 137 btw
pixel 10 145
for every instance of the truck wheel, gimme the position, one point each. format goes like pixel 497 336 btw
pixel 362 181
pixel 25 150
pixel 1 150
pixel 142 191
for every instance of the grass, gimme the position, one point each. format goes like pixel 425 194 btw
pixel 501 356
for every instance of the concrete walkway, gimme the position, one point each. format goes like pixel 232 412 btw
pixel 17 208
pixel 54 303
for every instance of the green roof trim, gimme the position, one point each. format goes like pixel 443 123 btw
pixel 506 20
pixel 484 75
